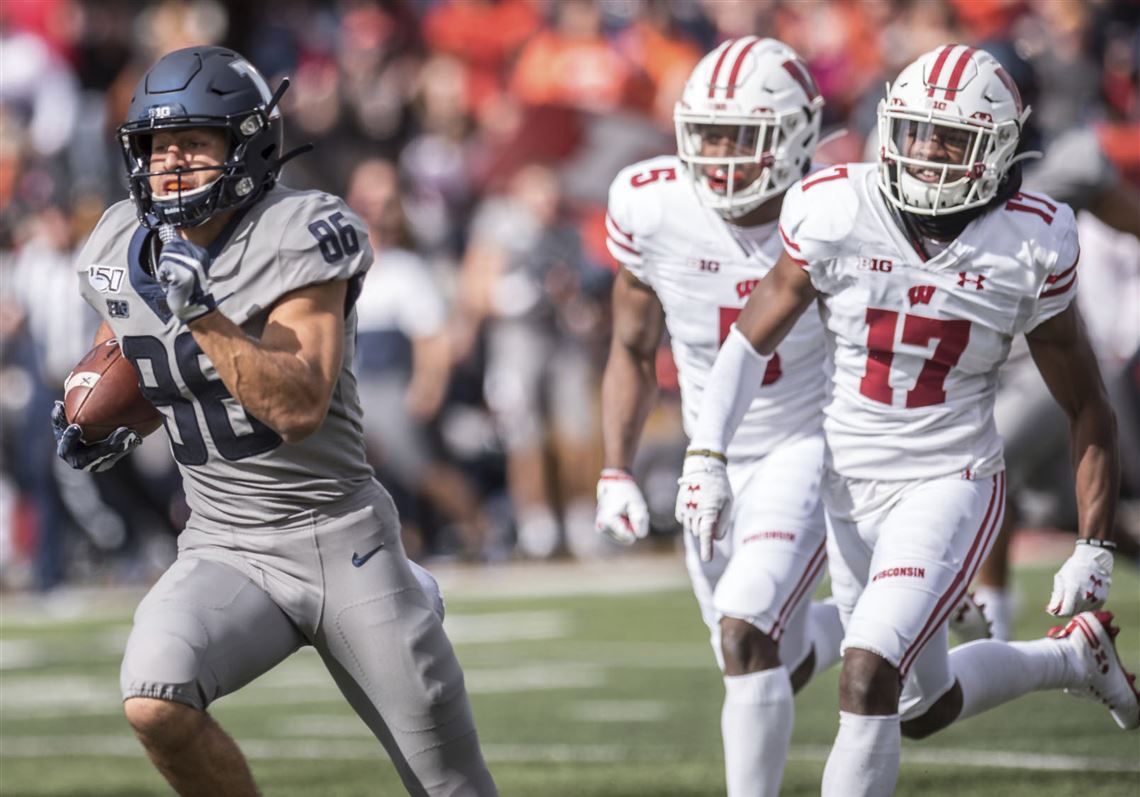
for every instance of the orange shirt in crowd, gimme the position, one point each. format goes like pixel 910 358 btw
pixel 581 73
pixel 485 36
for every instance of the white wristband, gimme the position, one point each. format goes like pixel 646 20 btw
pixel 735 378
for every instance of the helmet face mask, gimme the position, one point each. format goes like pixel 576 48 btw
pixel 947 143
pixel 208 87
pixel 747 124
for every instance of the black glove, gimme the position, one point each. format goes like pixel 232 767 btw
pixel 91 457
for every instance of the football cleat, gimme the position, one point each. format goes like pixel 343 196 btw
pixel 968 621
pixel 1106 681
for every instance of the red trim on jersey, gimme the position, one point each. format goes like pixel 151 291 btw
pixel 1036 198
pixel 807 578
pixel 837 173
pixel 620 245
pixel 1058 277
pixel 610 219
pixel 1062 289
pixel 735 73
pixel 1012 205
pixel 962 579
pixel 959 68
pixel 788 242
pixel 800 74
pixel 716 69
pixel 936 70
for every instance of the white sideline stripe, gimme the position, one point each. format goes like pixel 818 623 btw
pixel 126 747
pixel 594 711
pixel 469 629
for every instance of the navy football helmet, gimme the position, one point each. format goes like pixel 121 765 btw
pixel 204 87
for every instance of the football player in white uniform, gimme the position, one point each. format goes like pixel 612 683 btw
pixel 926 265
pixel 693 234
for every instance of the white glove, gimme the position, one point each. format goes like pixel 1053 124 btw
pixel 181 273
pixel 622 514
pixel 1082 582
pixel 704 500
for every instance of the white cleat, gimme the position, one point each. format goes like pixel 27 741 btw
pixel 1106 680
pixel 968 621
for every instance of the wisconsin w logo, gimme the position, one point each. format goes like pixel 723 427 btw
pixel 920 294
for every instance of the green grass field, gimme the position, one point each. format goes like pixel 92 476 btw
pixel 602 686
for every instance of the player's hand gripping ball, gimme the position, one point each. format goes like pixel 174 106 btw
pixel 182 274
pixel 103 414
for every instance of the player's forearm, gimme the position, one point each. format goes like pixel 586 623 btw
pixel 629 387
pixel 1096 464
pixel 277 387
pixel 735 378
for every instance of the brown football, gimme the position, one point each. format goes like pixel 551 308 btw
pixel 102 393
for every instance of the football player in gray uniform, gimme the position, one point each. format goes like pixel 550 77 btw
pixel 232 296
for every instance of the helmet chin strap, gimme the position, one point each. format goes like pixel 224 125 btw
pixel 949 226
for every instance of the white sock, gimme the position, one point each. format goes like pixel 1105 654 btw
pixel 756 724
pixel 998 609
pixel 825 633
pixel 538 533
pixel 991 672
pixel 864 761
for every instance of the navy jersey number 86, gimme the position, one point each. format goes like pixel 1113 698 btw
pixel 210 394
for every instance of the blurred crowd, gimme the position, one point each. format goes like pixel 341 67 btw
pixel 476 139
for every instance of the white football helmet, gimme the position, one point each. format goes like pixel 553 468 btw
pixel 759 95
pixel 948 131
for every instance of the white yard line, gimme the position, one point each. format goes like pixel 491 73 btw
pixel 57 746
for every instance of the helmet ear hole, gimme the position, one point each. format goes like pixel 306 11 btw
pixel 267 152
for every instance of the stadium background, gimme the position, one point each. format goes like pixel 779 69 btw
pixel 478 140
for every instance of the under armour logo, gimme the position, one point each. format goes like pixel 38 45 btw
pixel 977 281
pixel 693 488
pixel 690 505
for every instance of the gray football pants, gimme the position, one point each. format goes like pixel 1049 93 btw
pixel 238 602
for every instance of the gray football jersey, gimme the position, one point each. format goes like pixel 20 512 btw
pixel 236 470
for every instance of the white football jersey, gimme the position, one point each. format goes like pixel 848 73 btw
pixel 915 344
pixel 702 270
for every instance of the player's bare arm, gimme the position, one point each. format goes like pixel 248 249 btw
pixel 704 500
pixel 629 384
pixel 775 305
pixel 286 378
pixel 1061 350
pixel 104 332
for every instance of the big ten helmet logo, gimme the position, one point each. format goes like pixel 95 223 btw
pixel 875 264
pixel 938 105
pixel 160 112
